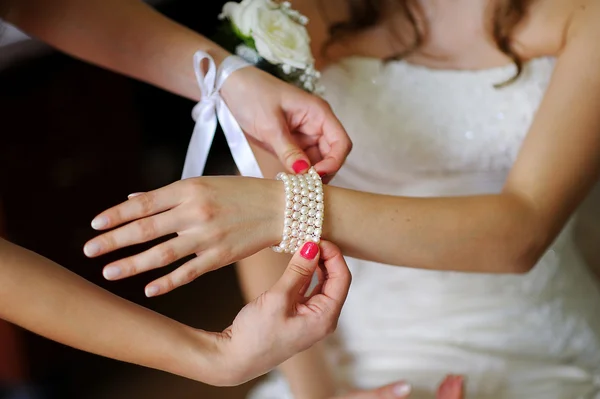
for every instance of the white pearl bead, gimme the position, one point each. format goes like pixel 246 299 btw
pixel 301 235
pixel 310 230
pixel 311 187
pixel 305 201
pixel 278 249
pixel 312 204
pixel 285 237
pixel 287 230
pixel 304 192
pixel 280 176
pixel 293 242
pixel 318 223
pixel 296 215
pixel 295 224
pixel 317 232
pixel 288 212
pixel 303 218
pixel 297 190
pixel 319 215
pixel 303 184
pixel 304 210
pixel 319 190
pixel 318 183
pixel 311 221
pixel 302 227
pixel 320 206
pixel 312 212
pixel 319 198
pixel 312 196
pixel 297 206
pixel 287 222
pixel 297 198
pixel 294 233
pixel 289 204
pixel 315 239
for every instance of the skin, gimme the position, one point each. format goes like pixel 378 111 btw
pixel 498 233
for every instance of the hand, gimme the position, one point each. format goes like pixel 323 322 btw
pixel 220 219
pixel 299 128
pixel 450 388
pixel 285 320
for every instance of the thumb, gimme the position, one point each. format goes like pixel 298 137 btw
pixel 399 390
pixel 289 153
pixel 299 271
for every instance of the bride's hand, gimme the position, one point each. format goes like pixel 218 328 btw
pixel 451 388
pixel 220 219
pixel 286 319
pixel 296 126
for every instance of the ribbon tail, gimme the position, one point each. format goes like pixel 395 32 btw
pixel 200 143
pixel 238 143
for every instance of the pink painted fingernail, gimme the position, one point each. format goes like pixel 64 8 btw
pixel 91 249
pixel 300 166
pixel 309 250
pixel 401 390
pixel 151 291
pixel 99 222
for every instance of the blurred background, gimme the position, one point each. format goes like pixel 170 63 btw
pixel 76 139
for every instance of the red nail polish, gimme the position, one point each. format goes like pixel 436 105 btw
pixel 322 175
pixel 300 166
pixel 309 250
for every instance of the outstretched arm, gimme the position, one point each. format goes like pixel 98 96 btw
pixel 40 296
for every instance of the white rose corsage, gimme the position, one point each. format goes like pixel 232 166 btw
pixel 273 37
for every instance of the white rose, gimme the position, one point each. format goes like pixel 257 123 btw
pixel 281 40
pixel 244 14
pixel 278 38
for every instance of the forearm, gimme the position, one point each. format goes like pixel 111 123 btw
pixel 307 373
pixel 126 36
pixel 47 299
pixel 492 233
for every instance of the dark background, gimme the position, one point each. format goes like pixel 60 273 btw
pixel 76 139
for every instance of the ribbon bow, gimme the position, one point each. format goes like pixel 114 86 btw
pixel 205 114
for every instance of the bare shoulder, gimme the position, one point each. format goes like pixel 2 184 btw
pixel 548 24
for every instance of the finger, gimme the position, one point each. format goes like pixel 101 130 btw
pixel 142 230
pixel 184 274
pixel 299 270
pixel 398 390
pixel 339 143
pixel 289 153
pixel 337 283
pixel 451 388
pixel 158 256
pixel 138 206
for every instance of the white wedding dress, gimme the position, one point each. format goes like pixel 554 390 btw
pixel 423 132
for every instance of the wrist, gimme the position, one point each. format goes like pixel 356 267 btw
pixel 276 201
pixel 199 357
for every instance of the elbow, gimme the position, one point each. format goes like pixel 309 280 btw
pixel 522 251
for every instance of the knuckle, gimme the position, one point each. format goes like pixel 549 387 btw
pixel 204 211
pixel 146 202
pixel 147 229
pixel 130 267
pixel 168 284
pixel 166 255
pixel 225 254
pixel 300 269
pixel 190 274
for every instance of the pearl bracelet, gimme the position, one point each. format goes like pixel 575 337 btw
pixel 304 210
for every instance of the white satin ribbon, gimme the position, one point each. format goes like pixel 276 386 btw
pixel 205 114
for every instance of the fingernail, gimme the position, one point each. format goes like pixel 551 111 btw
pixel 401 390
pixel 100 222
pixel 111 272
pixel 130 196
pixel 309 250
pixel 300 166
pixel 151 291
pixel 91 249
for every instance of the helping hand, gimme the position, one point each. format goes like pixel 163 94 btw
pixel 298 127
pixel 285 320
